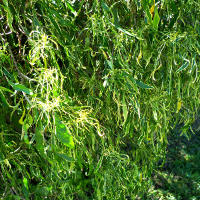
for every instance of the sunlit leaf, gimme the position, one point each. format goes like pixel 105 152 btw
pixel 21 88
pixel 156 19
pixel 21 120
pixel 25 189
pixel 179 105
pixel 125 110
pixel 139 57
pixel 25 181
pixel 62 133
pixel 71 8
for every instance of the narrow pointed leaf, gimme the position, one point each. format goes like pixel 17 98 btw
pixel 5 89
pixel 21 88
pixel 39 138
pixel 71 8
pixel 143 85
pixel 125 110
pixel 184 66
pixel 156 19
pixel 65 157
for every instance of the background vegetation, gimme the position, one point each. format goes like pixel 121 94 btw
pixel 179 178
pixel 89 92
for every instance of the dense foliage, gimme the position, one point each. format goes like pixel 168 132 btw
pixel 89 92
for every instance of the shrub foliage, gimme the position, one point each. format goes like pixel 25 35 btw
pixel 90 91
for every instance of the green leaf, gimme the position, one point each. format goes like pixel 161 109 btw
pixel 4 100
pixel 143 85
pixel 52 18
pixel 148 15
pixel 21 88
pixel 9 14
pixel 115 15
pixel 105 7
pixel 184 66
pixel 5 3
pixel 26 125
pixel 99 164
pixel 65 157
pixel 10 19
pixel 24 135
pixel 7 74
pixel 194 64
pixel 156 19
pixel 5 89
pixel 29 120
pixel 25 189
pixel 39 138
pixel 125 110
pixel 126 32
pixel 71 8
pixel 25 181
pixel 138 83
pixel 62 133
